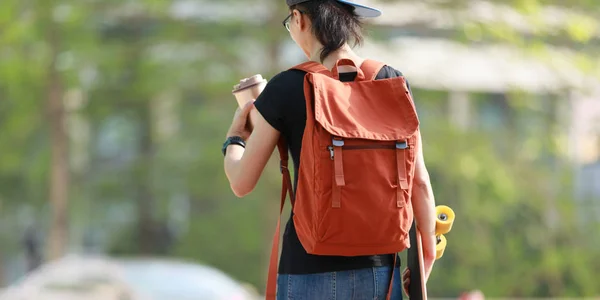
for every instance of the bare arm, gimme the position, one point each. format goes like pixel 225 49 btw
pixel 244 166
pixel 424 209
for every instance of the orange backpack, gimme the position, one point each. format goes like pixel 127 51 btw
pixel 357 164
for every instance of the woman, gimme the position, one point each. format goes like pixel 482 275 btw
pixel 323 29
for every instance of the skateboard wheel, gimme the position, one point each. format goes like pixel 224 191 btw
pixel 440 247
pixel 445 219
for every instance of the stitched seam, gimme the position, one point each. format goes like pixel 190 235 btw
pixel 353 276
pixel 376 288
pixel 332 296
pixel 289 287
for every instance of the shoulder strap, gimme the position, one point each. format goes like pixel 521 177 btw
pixel 371 68
pixel 286 190
pixel 312 67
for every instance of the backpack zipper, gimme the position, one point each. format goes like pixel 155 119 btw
pixel 402 146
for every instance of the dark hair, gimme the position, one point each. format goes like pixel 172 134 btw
pixel 333 24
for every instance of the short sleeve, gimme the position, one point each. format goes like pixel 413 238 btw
pixel 389 72
pixel 272 104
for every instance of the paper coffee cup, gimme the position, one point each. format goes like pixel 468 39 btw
pixel 247 90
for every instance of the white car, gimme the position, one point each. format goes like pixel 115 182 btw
pixel 102 278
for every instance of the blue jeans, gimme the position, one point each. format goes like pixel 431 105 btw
pixel 362 284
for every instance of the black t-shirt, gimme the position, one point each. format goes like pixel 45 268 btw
pixel 283 105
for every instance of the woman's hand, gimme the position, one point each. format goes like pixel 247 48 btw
pixel 240 125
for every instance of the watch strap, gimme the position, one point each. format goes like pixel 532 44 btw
pixel 237 140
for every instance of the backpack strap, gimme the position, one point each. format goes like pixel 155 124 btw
pixel 286 189
pixel 312 67
pixel 371 68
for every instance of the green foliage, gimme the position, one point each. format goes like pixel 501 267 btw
pixel 517 230
pixel 149 101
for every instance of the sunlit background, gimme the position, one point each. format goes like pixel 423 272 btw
pixel 113 113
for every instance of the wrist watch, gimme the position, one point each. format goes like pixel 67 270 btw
pixel 237 140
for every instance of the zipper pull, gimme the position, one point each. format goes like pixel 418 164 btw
pixel 330 152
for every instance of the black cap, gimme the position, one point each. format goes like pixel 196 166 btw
pixel 360 10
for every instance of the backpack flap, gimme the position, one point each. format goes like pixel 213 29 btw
pixel 380 110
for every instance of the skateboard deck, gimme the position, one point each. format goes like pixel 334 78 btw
pixel 417 289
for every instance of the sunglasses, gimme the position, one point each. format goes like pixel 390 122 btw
pixel 286 22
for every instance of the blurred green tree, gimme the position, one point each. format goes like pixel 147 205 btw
pixel 112 115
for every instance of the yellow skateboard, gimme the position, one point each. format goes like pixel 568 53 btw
pixel 417 290
pixel 443 225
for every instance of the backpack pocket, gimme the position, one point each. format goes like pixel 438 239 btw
pixel 373 208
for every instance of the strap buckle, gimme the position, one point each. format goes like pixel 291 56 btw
pixel 337 142
pixel 402 145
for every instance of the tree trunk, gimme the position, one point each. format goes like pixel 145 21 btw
pixel 59 165
pixel 145 201
pixel 1 272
